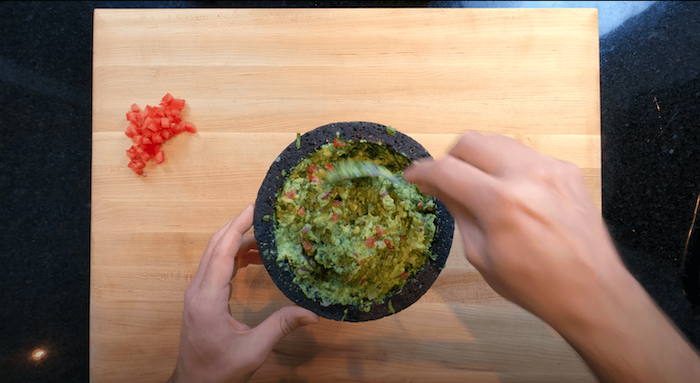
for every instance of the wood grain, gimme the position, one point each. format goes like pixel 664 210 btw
pixel 252 80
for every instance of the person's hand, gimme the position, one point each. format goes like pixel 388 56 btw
pixel 529 226
pixel 215 347
pixel 533 232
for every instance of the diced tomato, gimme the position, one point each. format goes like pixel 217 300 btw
pixel 312 169
pixel 168 98
pixel 150 127
pixel 157 139
pixel 329 167
pixel 335 216
pixel 337 203
pixel 307 246
pixel 420 205
pixel 370 242
pixel 338 143
pixel 189 127
pixel 291 194
pixel 388 244
pixel 404 275
pixel 314 179
pixel 380 231
pixel 362 261
pixel 177 104
pixel 301 211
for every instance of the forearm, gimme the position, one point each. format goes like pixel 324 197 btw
pixel 628 339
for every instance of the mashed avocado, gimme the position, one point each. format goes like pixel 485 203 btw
pixel 351 242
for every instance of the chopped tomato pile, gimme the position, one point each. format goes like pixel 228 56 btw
pixel 151 127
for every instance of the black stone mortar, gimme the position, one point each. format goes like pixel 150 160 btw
pixel 283 276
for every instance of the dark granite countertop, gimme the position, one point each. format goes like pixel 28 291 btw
pixel 650 110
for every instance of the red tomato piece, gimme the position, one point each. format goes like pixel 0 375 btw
pixel 370 242
pixel 338 143
pixel 404 275
pixel 335 216
pixel 420 205
pixel 301 211
pixel 329 167
pixel 157 139
pixel 168 98
pixel 307 246
pixel 146 141
pixel 132 129
pixel 312 169
pixel 337 203
pixel 177 104
pixel 165 122
pixel 314 179
pixel 135 108
pixel 387 242
pixel 291 194
pixel 380 231
pixel 166 133
pixel 159 157
pixel 189 127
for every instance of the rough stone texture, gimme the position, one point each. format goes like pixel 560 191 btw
pixel 264 230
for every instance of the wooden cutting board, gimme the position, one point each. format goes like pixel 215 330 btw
pixel 252 80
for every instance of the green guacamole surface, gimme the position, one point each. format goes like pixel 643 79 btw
pixel 353 241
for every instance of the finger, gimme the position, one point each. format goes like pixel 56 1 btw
pixel 220 268
pixel 451 179
pixel 281 323
pixel 206 256
pixel 495 154
pixel 246 255
pixel 480 151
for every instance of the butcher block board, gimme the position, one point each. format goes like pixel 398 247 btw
pixel 252 80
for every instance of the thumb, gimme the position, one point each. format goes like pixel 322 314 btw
pixel 281 323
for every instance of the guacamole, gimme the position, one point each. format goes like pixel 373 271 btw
pixel 353 241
